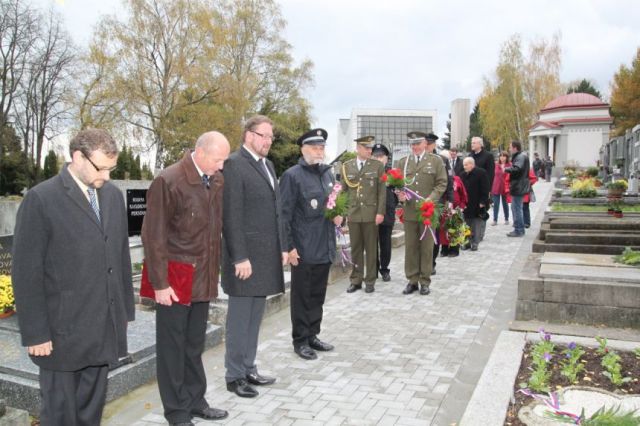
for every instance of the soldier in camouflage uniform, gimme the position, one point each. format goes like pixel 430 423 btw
pixel 367 194
pixel 426 176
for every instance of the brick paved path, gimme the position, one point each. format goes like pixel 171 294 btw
pixel 399 360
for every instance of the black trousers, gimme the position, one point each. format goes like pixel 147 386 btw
pixel 73 398
pixel 308 291
pixel 384 247
pixel 180 336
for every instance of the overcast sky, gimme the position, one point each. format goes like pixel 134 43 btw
pixel 420 54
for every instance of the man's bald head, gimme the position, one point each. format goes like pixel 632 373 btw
pixel 212 149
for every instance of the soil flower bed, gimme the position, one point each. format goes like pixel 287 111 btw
pixel 593 374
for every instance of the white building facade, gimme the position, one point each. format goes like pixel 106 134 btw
pixel 571 129
pixel 389 126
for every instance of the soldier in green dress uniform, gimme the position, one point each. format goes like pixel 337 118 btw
pixel 367 194
pixel 426 176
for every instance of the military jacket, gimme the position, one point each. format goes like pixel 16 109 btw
pixel 427 179
pixel 367 193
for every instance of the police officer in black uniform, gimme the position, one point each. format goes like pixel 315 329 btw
pixel 305 188
pixel 385 229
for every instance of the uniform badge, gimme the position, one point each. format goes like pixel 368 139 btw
pixel 319 133
pixel 314 204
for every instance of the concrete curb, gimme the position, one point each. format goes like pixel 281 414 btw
pixel 490 399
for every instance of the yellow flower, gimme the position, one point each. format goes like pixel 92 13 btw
pixel 7 300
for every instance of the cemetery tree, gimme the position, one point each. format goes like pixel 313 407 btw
pixel 475 128
pixel 50 165
pixel 583 86
pixel 136 172
pixel 149 59
pixel 18 32
pixel 14 163
pixel 446 140
pixel 43 108
pixel 520 87
pixel 625 96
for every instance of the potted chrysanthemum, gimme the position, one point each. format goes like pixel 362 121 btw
pixel 7 301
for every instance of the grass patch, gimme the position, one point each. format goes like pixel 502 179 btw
pixel 559 207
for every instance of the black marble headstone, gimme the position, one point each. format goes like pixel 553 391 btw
pixel 5 254
pixel 136 209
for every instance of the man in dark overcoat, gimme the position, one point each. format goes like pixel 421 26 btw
pixel 253 252
pixel 183 224
pixel 71 275
pixel 484 160
pixel 476 183
pixel 311 240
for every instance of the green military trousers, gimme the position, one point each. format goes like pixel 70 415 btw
pixel 418 255
pixel 363 237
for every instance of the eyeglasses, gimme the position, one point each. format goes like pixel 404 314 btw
pixel 267 137
pixel 99 169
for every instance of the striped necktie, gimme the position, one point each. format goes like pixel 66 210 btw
pixel 206 181
pixel 93 200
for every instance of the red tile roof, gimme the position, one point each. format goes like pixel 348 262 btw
pixel 575 101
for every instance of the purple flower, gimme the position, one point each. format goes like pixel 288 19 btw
pixel 547 356
pixel 544 335
pixel 572 345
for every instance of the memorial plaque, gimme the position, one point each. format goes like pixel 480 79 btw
pixel 136 209
pixel 5 254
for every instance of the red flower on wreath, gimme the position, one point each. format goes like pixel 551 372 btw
pixel 393 178
pixel 400 215
pixel 427 208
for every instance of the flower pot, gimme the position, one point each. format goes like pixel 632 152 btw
pixel 7 314
pixel 615 192
pixel 610 211
pixel 617 213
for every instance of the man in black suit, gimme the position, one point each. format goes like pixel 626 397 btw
pixel 72 280
pixel 253 251
pixel 456 163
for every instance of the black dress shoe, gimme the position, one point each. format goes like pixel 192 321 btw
pixel 210 413
pixel 242 388
pixel 368 288
pixel 386 277
pixel 515 234
pixel 319 345
pixel 410 288
pixel 258 380
pixel 354 287
pixel 424 290
pixel 305 352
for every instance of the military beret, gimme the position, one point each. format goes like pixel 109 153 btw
pixel 366 141
pixel 379 149
pixel 313 137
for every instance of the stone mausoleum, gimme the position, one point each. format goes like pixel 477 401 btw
pixel 571 129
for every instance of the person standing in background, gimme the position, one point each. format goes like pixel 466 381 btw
pixel 361 179
pixel 500 188
pixel 385 229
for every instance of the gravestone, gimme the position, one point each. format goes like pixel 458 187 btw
pixel 5 254
pixel 136 209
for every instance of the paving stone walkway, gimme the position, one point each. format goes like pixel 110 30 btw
pixel 399 360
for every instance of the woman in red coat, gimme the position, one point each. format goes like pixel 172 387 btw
pixel 499 188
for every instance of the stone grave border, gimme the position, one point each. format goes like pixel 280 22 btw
pixel 491 396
